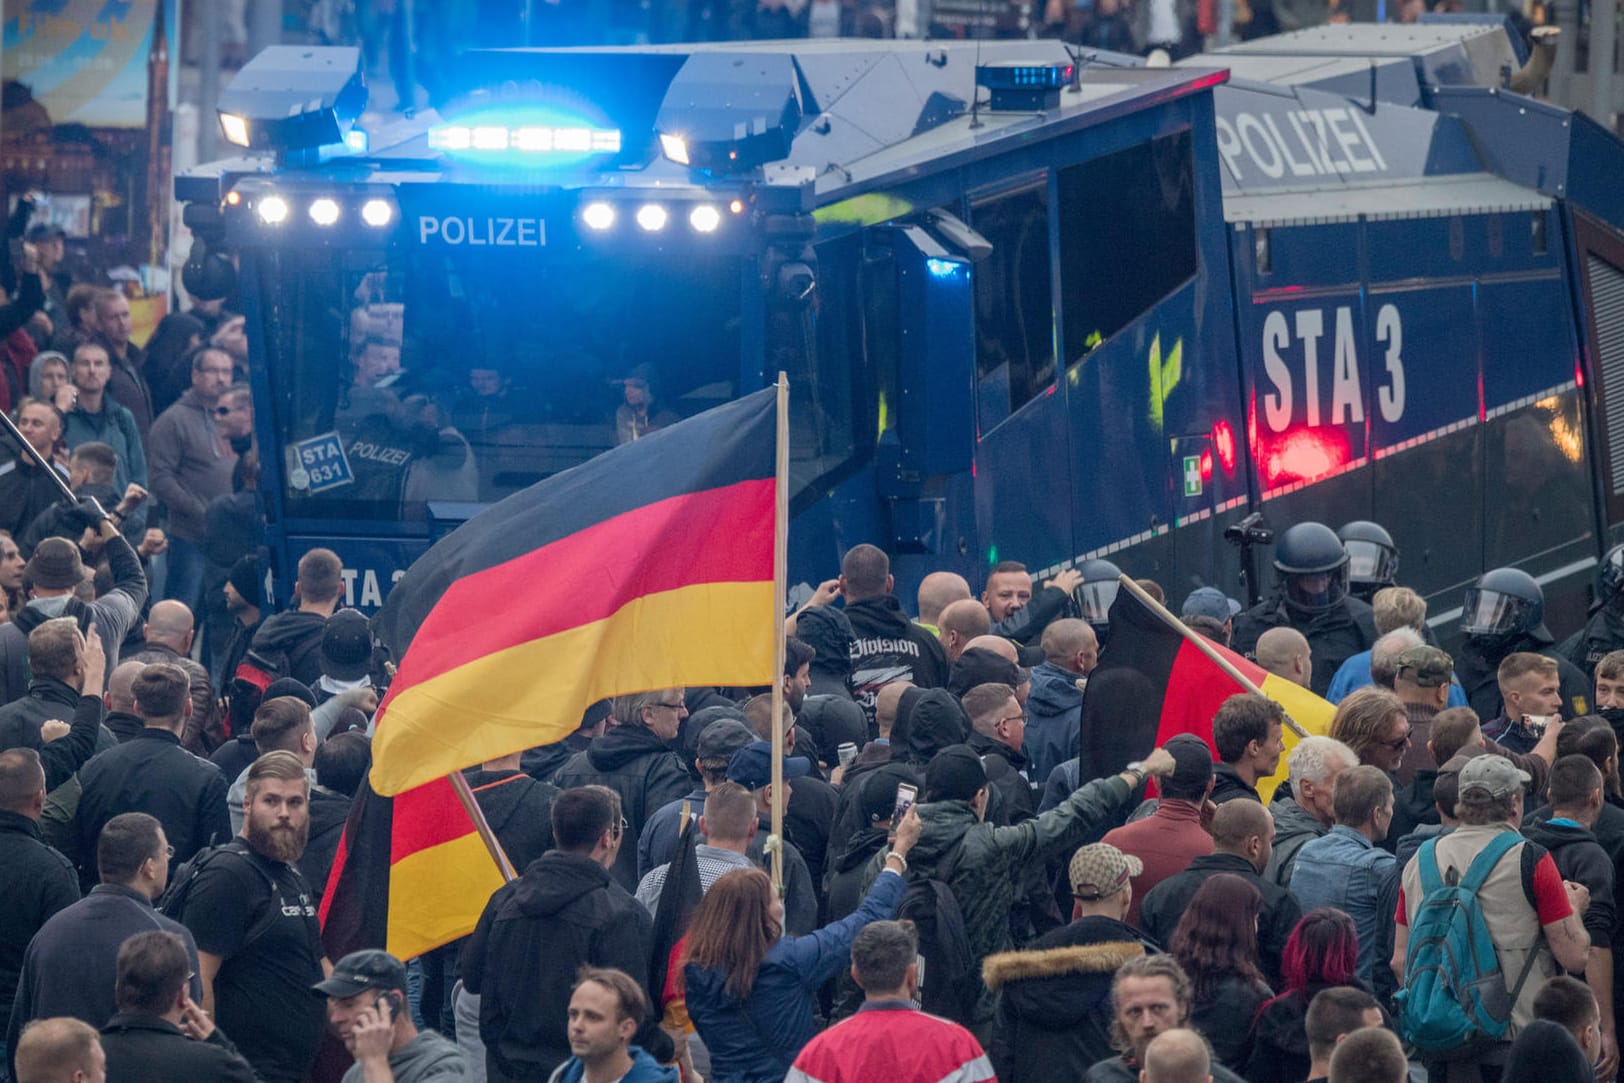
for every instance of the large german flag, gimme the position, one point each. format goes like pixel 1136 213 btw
pixel 1153 683
pixel 651 566
pixel 410 874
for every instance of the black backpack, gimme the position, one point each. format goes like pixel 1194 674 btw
pixel 948 985
pixel 173 903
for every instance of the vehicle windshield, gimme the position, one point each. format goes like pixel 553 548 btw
pixel 450 378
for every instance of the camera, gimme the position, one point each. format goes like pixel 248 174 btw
pixel 1249 531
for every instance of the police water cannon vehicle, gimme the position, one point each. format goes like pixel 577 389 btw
pixel 1034 304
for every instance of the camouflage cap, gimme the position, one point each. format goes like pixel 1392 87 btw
pixel 1426 666
pixel 1101 870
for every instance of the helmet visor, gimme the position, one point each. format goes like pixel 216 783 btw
pixel 1094 600
pixel 1315 592
pixel 1491 613
pixel 1371 562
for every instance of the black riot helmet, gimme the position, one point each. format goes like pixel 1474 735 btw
pixel 1503 603
pixel 1372 557
pixel 1610 579
pixel 1101 581
pixel 1312 568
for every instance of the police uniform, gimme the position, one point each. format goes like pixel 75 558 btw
pixel 1478 674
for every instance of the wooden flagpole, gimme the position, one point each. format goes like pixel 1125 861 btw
pixel 459 782
pixel 780 589
pixel 1200 643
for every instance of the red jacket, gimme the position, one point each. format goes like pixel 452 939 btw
pixel 1166 841
pixel 893 1041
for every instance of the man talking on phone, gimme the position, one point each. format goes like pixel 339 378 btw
pixel 366 1007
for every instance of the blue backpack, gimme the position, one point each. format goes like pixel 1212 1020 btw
pixel 1455 994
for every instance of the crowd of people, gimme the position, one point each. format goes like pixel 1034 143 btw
pixel 963 896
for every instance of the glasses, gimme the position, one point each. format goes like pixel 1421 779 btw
pixel 169 853
pixel 669 706
pixel 216 371
pixel 221 411
pixel 621 830
pixel 1399 745
pixel 1021 718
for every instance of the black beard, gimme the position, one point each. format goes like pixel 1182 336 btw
pixel 286 845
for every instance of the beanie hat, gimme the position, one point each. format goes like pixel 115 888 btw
pixel 55 565
pixel 244 577
pixel 954 774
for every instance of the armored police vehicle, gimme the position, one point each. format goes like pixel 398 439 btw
pixel 1033 304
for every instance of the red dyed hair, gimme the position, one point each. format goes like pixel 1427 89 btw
pixel 1322 950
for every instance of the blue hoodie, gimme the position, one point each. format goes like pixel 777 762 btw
pixel 1052 712
pixel 645 1069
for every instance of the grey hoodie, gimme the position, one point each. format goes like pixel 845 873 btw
pixel 427 1058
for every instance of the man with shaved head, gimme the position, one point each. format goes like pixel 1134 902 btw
pixel 1242 840
pixel 937 591
pixel 1177 1056
pixel 887 646
pixel 167 633
pixel 1284 652
pixel 1070 651
pixel 120 701
pixel 960 623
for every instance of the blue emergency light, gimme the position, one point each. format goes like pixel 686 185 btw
pixel 1024 88
pixel 526 139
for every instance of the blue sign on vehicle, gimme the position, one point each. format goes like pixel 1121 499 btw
pixel 320 464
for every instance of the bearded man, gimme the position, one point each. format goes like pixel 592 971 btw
pixel 254 918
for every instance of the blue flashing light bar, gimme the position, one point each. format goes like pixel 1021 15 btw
pixel 527 139
pixel 943 268
pixel 356 139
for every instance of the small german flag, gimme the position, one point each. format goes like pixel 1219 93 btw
pixel 1152 683
pixel 650 566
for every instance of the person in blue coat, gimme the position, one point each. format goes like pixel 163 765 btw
pixel 750 989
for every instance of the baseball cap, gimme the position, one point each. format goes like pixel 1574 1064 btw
pixel 752 765
pixel 1496 776
pixel 1426 666
pixel 362 970
pixel 1209 602
pixel 954 774
pixel 1100 870
pixel 724 737
pixel 1192 762
pixel 346 646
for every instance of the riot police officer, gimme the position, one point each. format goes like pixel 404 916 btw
pixel 1504 612
pixel 1101 581
pixel 1311 595
pixel 1604 632
pixel 1372 558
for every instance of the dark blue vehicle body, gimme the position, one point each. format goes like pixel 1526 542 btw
pixel 1332 275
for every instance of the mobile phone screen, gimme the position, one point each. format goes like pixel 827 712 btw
pixel 905 800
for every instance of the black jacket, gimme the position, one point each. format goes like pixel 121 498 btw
pixel 151 773
pixel 565 912
pixel 1602 634
pixel 1581 859
pixel 297 634
pixel 1413 806
pixel 1279 1044
pixel 124 725
pixel 543 762
pixel 889 647
pixel 1477 669
pixel 1224 1017
pixel 642 769
pixel 809 813
pixel 328 813
pixel 1165 904
pixel 519 810
pixel 1026 624
pixel 50 698
pixel 1334 636
pixel 147 1049
pixel 1054 1009
pixel 35 882
pixel 1227 785
pixel 1004 766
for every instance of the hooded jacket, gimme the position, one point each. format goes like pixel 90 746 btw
pixel 519 810
pixel 427 1058
pixel 1054 1008
pixel 1294 826
pixel 1053 709
pixel 1544 1052
pixel 645 1069
pixel 1279 1046
pixel 889 647
pixel 642 769
pixel 1228 785
pixel 296 633
pixel 116 427
pixel 986 876
pixel 1581 859
pixel 565 912
pixel 1004 766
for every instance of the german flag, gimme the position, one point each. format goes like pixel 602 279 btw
pixel 428 892
pixel 650 566
pixel 1152 684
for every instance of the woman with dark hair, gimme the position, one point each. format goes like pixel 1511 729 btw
pixel 1216 944
pixel 1322 951
pixel 750 990
pixel 168 367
